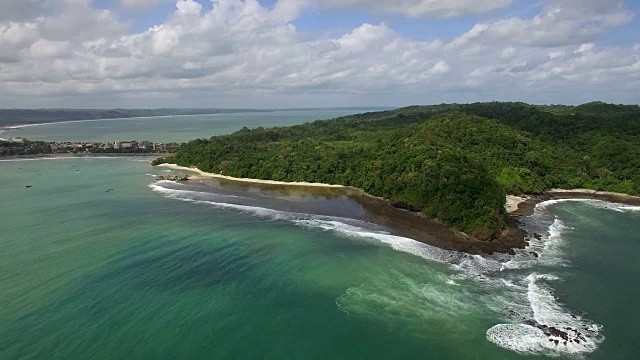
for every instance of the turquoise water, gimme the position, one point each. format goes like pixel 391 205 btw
pixel 158 270
pixel 168 128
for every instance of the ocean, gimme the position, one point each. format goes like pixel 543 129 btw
pixel 204 269
pixel 167 128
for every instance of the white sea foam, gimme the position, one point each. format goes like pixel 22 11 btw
pixel 593 202
pixel 473 264
pixel 344 226
pixel 525 301
pixel 470 264
pixel 552 329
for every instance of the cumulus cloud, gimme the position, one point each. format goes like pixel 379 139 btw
pixel 241 53
pixel 419 8
pixel 561 22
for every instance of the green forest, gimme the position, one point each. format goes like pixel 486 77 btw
pixel 452 162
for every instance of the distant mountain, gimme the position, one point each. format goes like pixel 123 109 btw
pixel 12 117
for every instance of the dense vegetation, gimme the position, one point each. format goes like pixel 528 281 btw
pixel 452 162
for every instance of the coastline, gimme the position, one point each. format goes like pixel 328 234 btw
pixel 248 180
pixel 525 206
pixel 430 231
pixel 403 222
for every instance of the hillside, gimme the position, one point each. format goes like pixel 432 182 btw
pixel 451 162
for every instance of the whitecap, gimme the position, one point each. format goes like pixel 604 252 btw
pixel 551 329
pixel 593 202
pixel 525 302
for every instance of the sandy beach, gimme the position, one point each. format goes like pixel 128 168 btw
pixel 255 181
pixel 513 202
pixel 525 206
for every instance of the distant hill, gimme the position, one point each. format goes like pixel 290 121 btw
pixel 453 162
pixel 12 117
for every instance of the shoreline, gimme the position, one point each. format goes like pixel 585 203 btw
pixel 430 231
pixel 69 155
pixel 413 225
pixel 525 206
pixel 248 180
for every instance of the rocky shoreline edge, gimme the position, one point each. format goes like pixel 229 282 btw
pixel 430 231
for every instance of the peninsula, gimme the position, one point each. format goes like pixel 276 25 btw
pixel 453 163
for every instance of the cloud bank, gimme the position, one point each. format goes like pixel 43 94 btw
pixel 241 53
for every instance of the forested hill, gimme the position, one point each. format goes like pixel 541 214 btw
pixel 452 162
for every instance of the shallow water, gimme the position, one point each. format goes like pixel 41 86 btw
pixel 162 270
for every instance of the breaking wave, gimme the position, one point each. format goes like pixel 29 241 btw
pixel 534 321
pixel 551 329
pixel 593 202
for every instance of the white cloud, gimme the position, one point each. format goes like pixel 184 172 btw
pixel 240 53
pixel 45 49
pixel 18 10
pixel 419 8
pixel 77 20
pixel 508 53
pixel 561 22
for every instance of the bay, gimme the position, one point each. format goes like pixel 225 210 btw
pixel 167 128
pixel 156 269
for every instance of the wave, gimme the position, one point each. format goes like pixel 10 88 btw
pixel 345 226
pixel 534 321
pixel 593 202
pixel 552 329
pixel 467 263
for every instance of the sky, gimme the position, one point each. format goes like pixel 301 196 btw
pixel 316 53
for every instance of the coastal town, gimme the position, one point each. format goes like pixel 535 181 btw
pixel 19 146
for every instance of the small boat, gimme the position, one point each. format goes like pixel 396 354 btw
pixel 29 186
pixel 108 190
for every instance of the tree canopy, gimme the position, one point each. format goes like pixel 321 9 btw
pixel 452 162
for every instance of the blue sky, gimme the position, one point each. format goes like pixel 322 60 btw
pixel 288 53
